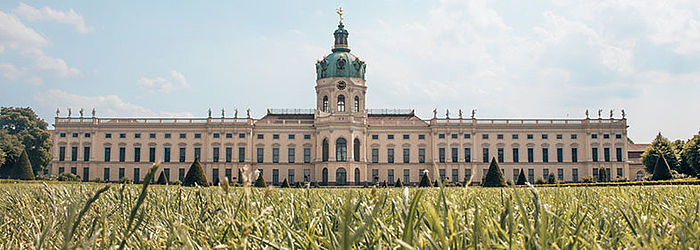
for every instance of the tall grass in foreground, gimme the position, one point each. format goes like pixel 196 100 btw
pixel 140 216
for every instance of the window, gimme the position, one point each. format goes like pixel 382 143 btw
pixel 530 155
pixel 594 136
pixel 619 172
pixel 290 155
pixel 122 154
pixel 341 103
pixel 530 136
pixel 107 135
pixel 275 176
pixel 516 173
pixel 618 154
pixel 307 155
pixel 545 155
pixel 291 136
pixel 152 135
pixel 241 135
pixel 574 154
pixel 325 104
pixel 455 154
pixel 467 136
pixel 545 173
pixel 215 176
pixel 121 173
pixel 137 135
pixel 151 154
pixel 390 177
pixel 324 150
pixel 87 135
pixel 421 155
pixel 75 135
pixel 108 154
pixel 229 135
pixel 216 135
pixel 137 155
pixel 137 175
pixel 606 136
pixel 454 136
pixel 181 155
pixel 122 135
pixel 485 136
pixel 215 154
pixel 375 137
pixel 275 155
pixel 606 154
pixel 86 153
pixel 406 155
pixel 560 174
pixel 390 137
pixel 594 154
pixel 467 174
pixel 455 175
pixel 618 136
pixel 531 175
pixel 560 155
pixel 441 136
pixel 499 136
pixel 275 136
pixel 545 136
pixel 228 175
pixel 467 155
pixel 105 175
pixel 375 176
pixel 261 136
pixel 260 154
pixel 574 137
pixel 390 155
pixel 198 153
pixel 514 136
pixel 421 137
pixel 407 176
pixel 341 150
pixel 441 155
pixel 485 155
pixel 197 136
pixel 375 155
pixel 166 154
pixel 181 174
pixel 241 154
pixel 406 137
pixel 357 104
pixel 62 134
pixel 183 135
pixel 229 154
pixel 356 149
pixel 167 135
pixel 516 155
pixel 290 173
pixel 74 153
pixel 307 137
pixel 595 173
pixel 574 174
pixel 500 154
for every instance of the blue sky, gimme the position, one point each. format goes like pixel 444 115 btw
pixel 507 59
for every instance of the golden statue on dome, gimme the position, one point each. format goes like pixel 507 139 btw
pixel 340 13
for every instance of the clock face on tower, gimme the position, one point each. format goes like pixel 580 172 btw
pixel 341 85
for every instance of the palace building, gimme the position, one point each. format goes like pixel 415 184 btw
pixel 341 142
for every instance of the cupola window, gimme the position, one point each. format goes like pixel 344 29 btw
pixel 325 103
pixel 341 103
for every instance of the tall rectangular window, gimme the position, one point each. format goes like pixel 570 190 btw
pixel 307 155
pixel 455 154
pixel 390 177
pixel 122 154
pixel 516 155
pixel 574 175
pixel 307 175
pixel 275 155
pixel 62 153
pixel 406 176
pixel 241 154
pixel 228 172
pixel 485 155
pixel 390 155
pixel 455 175
pixel 290 172
pixel 545 154
pixel 86 153
pixel 467 155
pixel 105 174
pixel 545 173
pixel 594 154
pixel 215 176
pixel 182 155
pixel 560 155
pixel 606 154
pixel 121 173
pixel 574 154
pixel 137 175
pixel 229 154
pixel 151 154
pixel 260 154
pixel 137 155
pixel 375 155
pixel 215 154
pixel 166 172
pixel 530 155
pixel 467 174
pixel 74 153
pixel 86 173
pixel 421 155
pixel 441 155
pixel 500 155
pixel 531 175
pixel 166 154
pixel 406 155
pixel 618 154
pixel 560 174
pixel 375 176
pixel 181 174
pixel 275 176
pixel 198 153
pixel 595 173
pixel 291 155
pixel 108 154
pixel 619 172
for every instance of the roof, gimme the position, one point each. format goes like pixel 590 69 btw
pixel 637 147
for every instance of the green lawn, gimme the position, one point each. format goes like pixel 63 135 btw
pixel 34 215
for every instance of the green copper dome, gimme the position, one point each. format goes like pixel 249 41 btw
pixel 340 63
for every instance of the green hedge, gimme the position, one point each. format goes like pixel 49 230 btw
pixel 625 183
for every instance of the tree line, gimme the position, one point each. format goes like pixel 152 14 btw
pixel 682 156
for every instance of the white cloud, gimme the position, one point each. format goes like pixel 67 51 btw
pixel 174 82
pixel 9 71
pixel 106 106
pixel 48 14
pixel 55 65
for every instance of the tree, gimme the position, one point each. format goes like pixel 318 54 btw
pixel 285 184
pixel 260 182
pixel 23 168
pixel 660 146
pixel 398 183
pixel 195 175
pixel 494 176
pixel 521 178
pixel 425 181
pixel 11 149
pixel 602 175
pixel 551 179
pixel 661 170
pixel 161 179
pixel 68 176
pixel 31 131
pixel 691 154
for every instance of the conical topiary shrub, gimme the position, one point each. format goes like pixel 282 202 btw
pixel 398 183
pixel 260 181
pixel 521 178
pixel 494 176
pixel 23 168
pixel 161 179
pixel 195 175
pixel 661 171
pixel 602 175
pixel 285 184
pixel 425 181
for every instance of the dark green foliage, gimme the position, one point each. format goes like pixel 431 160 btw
pixel 425 181
pixel 195 175
pixel 691 154
pixel 31 131
pixel 494 176
pixel 161 179
pixel 661 170
pixel 435 183
pixel 660 147
pixel 551 179
pixel 398 183
pixel 602 175
pixel 22 169
pixel 285 184
pixel 10 151
pixel 260 181
pixel 67 176
pixel 521 178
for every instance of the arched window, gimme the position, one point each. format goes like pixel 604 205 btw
pixel 357 176
pixel 356 149
pixel 324 150
pixel 341 150
pixel 357 104
pixel 325 104
pixel 324 176
pixel 341 103
pixel 340 177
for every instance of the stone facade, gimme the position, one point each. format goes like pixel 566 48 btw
pixel 340 142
